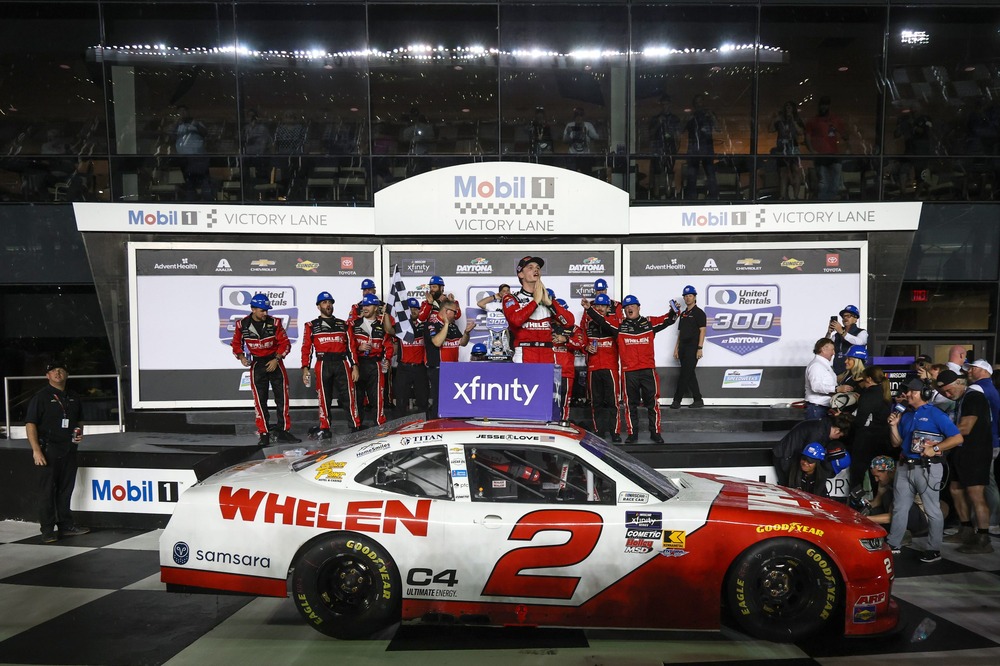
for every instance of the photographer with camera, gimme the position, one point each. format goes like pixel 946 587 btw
pixel 879 508
pixel 922 436
pixel 845 334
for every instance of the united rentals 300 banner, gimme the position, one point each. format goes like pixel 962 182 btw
pixel 765 304
pixel 186 299
pixel 473 273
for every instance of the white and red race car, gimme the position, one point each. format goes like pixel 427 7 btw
pixel 524 523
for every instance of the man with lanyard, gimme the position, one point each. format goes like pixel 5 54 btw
pixel 845 335
pixel 603 378
pixel 981 373
pixel 442 338
pixel 336 369
pixel 970 463
pixel 260 343
pixel 922 436
pixel 531 314
pixel 432 299
pixel 688 350
pixel 635 335
pixel 52 425
pixel 372 348
pixel 411 372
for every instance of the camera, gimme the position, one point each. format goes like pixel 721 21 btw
pixel 859 501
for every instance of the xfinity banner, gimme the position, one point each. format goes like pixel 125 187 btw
pixel 501 199
pixel 765 304
pixel 500 391
pixel 706 218
pixel 186 300
pixel 472 274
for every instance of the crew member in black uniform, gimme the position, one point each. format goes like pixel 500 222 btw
pixel 54 430
pixel 688 350
pixel 336 367
pixel 442 338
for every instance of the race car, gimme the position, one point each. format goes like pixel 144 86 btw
pixel 525 523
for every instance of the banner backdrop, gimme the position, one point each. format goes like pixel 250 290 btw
pixel 766 305
pixel 472 274
pixel 185 300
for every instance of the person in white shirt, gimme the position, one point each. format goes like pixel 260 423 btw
pixel 821 380
pixel 956 359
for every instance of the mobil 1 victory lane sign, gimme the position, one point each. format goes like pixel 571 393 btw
pixel 743 317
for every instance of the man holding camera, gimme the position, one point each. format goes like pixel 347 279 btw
pixel 922 436
pixel 845 334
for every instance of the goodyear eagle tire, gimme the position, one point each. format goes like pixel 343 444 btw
pixel 347 586
pixel 784 590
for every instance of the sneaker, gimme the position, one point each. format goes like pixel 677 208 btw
pixel 263 440
pixel 964 534
pixel 697 404
pixel 287 437
pixel 49 537
pixel 616 438
pixel 896 550
pixel 74 531
pixel 657 438
pixel 995 529
pixel 324 433
pixel 979 544
pixel 930 556
pixel 675 405
pixel 632 439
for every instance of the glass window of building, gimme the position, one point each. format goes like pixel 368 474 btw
pixel 830 72
pixel 433 86
pixel 694 92
pixel 53 118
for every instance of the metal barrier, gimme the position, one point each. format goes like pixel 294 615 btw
pixel 17 432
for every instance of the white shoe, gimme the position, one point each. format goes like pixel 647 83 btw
pixel 950 531
pixel 995 529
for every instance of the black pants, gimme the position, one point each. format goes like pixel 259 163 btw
pixel 411 382
pixel 433 381
pixel 334 373
pixel 371 385
pixel 56 481
pixel 604 395
pixel 688 379
pixel 260 379
pixel 642 386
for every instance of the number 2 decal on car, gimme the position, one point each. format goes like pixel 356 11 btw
pixel 506 580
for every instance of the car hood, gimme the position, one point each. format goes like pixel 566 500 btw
pixel 251 471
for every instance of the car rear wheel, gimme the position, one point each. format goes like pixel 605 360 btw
pixel 347 586
pixel 784 590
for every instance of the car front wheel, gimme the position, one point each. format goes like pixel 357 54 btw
pixel 784 590
pixel 347 586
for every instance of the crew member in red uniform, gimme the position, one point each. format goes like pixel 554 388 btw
pixel 635 348
pixel 336 369
pixel 367 287
pixel 372 347
pixel 442 338
pixel 411 372
pixel 601 287
pixel 260 343
pixel 603 376
pixel 531 314
pixel 432 299
pixel 565 343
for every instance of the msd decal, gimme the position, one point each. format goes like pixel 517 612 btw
pixel 743 318
pixel 375 516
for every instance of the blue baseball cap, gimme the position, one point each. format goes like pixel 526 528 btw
pixel 260 301
pixel 368 283
pixel 602 299
pixel 815 451
pixel 859 352
pixel 324 296
pixel 438 280
pixel 839 460
pixel 689 289
pixel 630 300
pixel 600 283
pixel 561 302
pixel 412 303
pixel 850 309
pixel 551 293
pixel 370 299
pixel 479 348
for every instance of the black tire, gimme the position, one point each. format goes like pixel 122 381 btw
pixel 784 590
pixel 347 586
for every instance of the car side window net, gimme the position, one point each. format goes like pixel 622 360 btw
pixel 521 474
pixel 414 472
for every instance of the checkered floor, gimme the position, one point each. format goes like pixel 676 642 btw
pixel 97 599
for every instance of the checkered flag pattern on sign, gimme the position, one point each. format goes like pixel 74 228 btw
pixel 397 294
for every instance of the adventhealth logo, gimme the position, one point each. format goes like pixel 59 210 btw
pixel 476 390
pixel 511 188
pixel 140 491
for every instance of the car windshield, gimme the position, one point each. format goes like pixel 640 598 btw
pixel 639 472
pixel 328 452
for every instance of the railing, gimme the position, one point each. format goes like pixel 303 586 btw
pixel 91 427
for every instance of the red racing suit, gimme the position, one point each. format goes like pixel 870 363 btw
pixel 530 326
pixel 603 377
pixel 372 380
pixel 262 341
pixel 331 337
pixel 566 358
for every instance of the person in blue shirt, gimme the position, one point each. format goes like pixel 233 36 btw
pixel 923 436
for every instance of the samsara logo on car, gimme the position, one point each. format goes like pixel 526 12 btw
pixel 306 265
pixel 792 263
pixel 477 266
